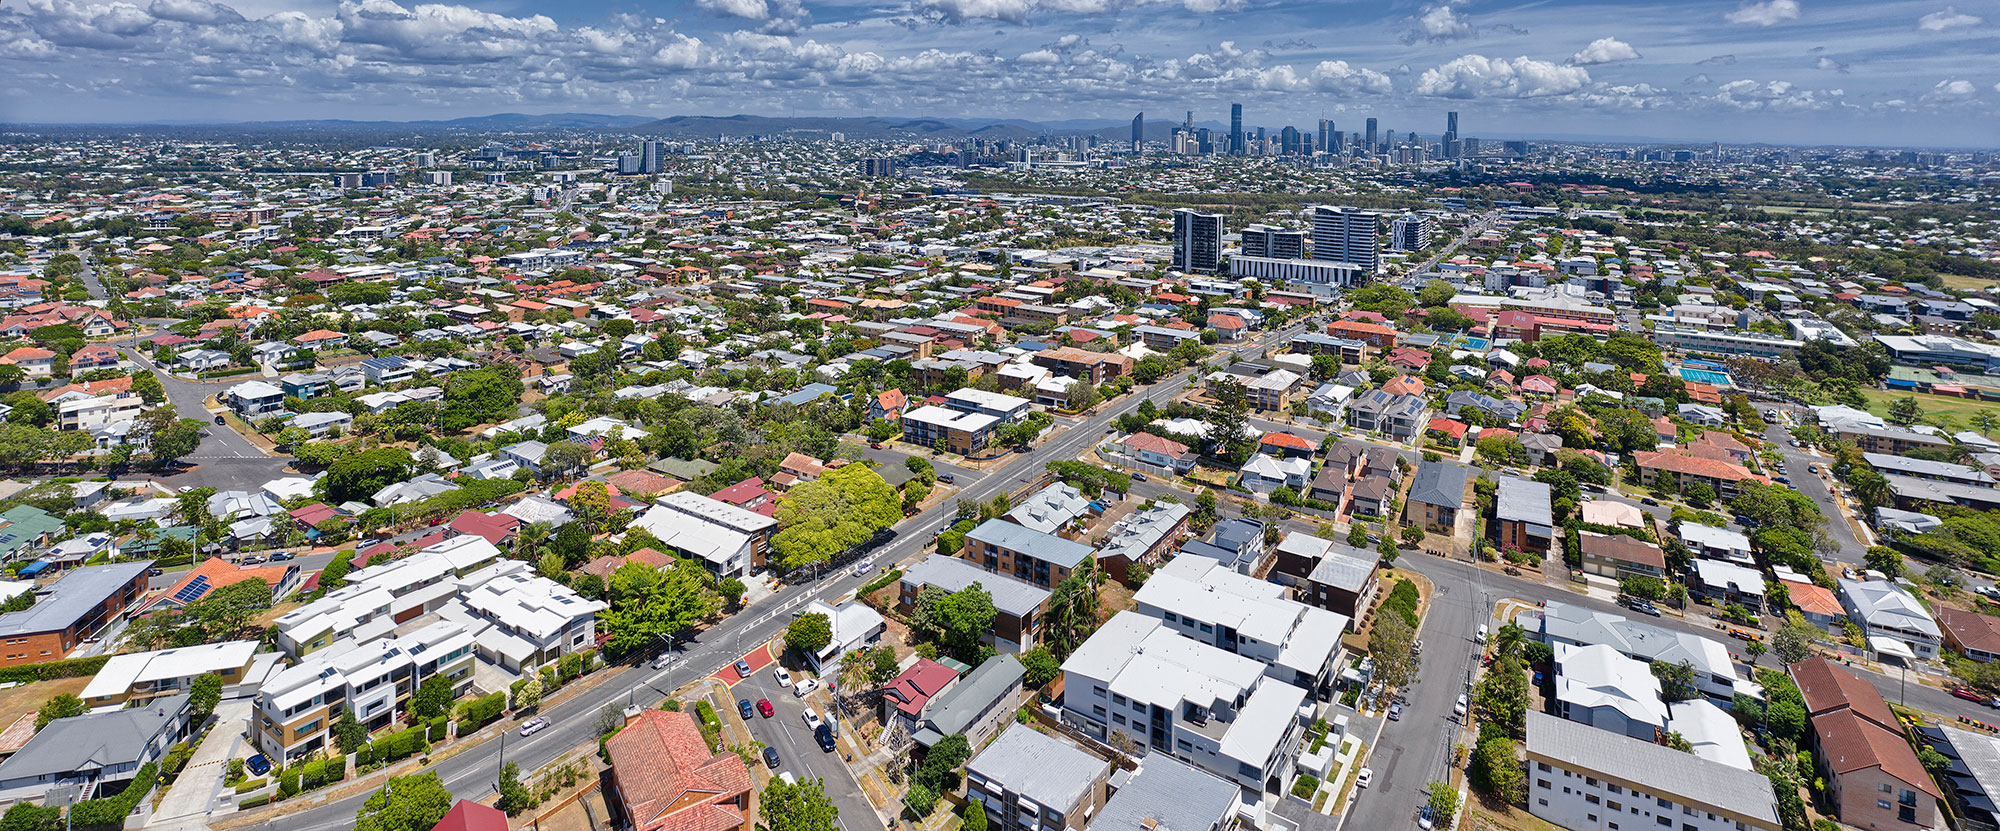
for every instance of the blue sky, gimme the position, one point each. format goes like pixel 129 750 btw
pixel 1900 72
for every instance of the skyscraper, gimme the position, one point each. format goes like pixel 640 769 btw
pixel 1371 146
pixel 1288 141
pixel 1279 243
pixel 1345 234
pixel 649 156
pixel 1236 142
pixel 1138 131
pixel 1325 135
pixel 1197 240
pixel 1410 232
pixel 1448 143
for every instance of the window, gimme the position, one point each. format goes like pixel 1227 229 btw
pixel 1886 789
pixel 1542 766
pixel 1542 783
pixel 1591 817
pixel 1664 821
pixel 1613 788
pixel 1613 826
pixel 1543 802
pixel 1097 710
pixel 1882 804
pixel 1663 803
pixel 1614 806
pixel 1173 618
pixel 1590 798
pixel 1097 691
pixel 1117 698
pixel 1590 780
pixel 1117 718
pixel 1207 629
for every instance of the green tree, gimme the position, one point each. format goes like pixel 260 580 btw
pixel 356 478
pixel 62 705
pixel 1792 642
pixel 1905 410
pixel 975 815
pixel 732 590
pixel 514 796
pixel 1443 801
pixel 406 803
pixel 1699 494
pixel 882 665
pixel 203 694
pixel 27 816
pixel 797 807
pixel 432 698
pixel 957 619
pixel 1884 559
pixel 1040 665
pixel 1495 770
pixel 348 733
pixel 1676 681
pixel 1072 610
pixel 29 408
pixel 1357 534
pixel 679 599
pixel 1787 719
pixel 529 695
pixel 845 507
pixel 808 634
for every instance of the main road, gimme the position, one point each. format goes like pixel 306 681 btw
pixel 473 773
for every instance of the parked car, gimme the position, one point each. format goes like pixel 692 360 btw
pixel 1425 819
pixel 282 556
pixel 764 707
pixel 805 687
pixel 254 559
pixel 1968 694
pixel 771 757
pixel 742 669
pixel 219 420
pixel 258 765
pixel 743 708
pixel 533 726
pixel 155 572
pixel 1458 709
pixel 1395 712
pixel 1480 636
pixel 783 678
pixel 1138 477
pixel 947 478
pixel 1989 592
pixel 812 718
pixel 1362 779
pixel 824 736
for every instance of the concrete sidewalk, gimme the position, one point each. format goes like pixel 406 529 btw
pixel 193 796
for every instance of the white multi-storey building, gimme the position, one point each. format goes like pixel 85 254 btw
pixel 1586 779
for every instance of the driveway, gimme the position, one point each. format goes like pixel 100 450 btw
pixel 193 796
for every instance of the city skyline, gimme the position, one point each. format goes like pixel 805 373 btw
pixel 1790 71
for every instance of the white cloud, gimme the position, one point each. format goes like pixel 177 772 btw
pixel 1776 96
pixel 1443 23
pixel 1477 76
pixel 1767 13
pixel 194 11
pixel 1829 64
pixel 1947 18
pixel 959 11
pixel 746 9
pixel 1604 50
pixel 1952 88
pixel 1337 76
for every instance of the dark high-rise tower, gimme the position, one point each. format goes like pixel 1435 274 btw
pixel 1371 146
pixel 1138 131
pixel 1236 143
pixel 1448 143
pixel 1326 135
pixel 1197 240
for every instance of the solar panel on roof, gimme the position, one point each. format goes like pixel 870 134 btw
pixel 193 590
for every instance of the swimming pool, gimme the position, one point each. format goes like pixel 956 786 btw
pixel 1704 376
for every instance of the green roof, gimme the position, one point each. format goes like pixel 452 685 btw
pixel 23 525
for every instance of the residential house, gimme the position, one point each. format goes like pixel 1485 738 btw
pixel 1019 607
pixel 1970 633
pixel 1396 416
pixel 1163 453
pixel 1436 494
pixel 254 399
pixel 1522 518
pixel 729 540
pixel 664 777
pixel 1894 620
pixel 1568 623
pixel 1873 778
pixel 977 706
pixel 1617 556
pixel 906 699
pixel 1719 583
pixel 140 677
pixel 1599 686
pixel 1031 781
pixel 101 751
pixel 1265 474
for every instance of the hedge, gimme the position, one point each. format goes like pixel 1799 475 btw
pixel 400 744
pixel 227 373
pixel 110 812
pixel 436 731
pixel 73 668
pixel 319 773
pixel 257 801
pixel 872 586
pixel 1402 599
pixel 251 785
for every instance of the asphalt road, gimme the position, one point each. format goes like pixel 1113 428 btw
pixel 225 460
pixel 473 772
pixel 1798 470
pixel 799 753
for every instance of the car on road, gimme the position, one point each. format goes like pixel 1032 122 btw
pixel 783 678
pixel 1988 592
pixel 1970 694
pixel 947 478
pixel 282 556
pixel 1651 502
pixel 1395 712
pixel 1782 480
pixel 219 420
pixel 155 572
pixel 744 709
pixel 875 444
pixel 771 757
pixel 253 559
pixel 1425 819
pixel 1458 709
pixel 663 659
pixel 742 669
pixel 1138 477
pixel 861 569
pixel 812 718
pixel 533 726
pixel 805 687
pixel 764 708
pixel 1362 779
pixel 1480 636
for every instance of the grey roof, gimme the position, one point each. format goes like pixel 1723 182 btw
pixel 1439 483
pixel 960 706
pixel 73 598
pixel 1051 508
pixel 1237 534
pixel 1022 540
pixel 1656 768
pixel 1228 558
pixel 1342 570
pixel 1043 768
pixel 91 742
pixel 951 574
pixel 1523 499
pixel 1171 793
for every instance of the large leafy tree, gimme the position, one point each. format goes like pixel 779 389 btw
pixel 957 619
pixel 845 507
pixel 681 598
pixel 794 807
pixel 357 477
pixel 809 633
pixel 406 803
pixel 481 396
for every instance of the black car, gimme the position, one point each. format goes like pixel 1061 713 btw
pixel 824 735
pixel 771 758
pixel 218 420
pixel 743 707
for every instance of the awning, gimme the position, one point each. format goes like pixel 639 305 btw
pixel 1890 646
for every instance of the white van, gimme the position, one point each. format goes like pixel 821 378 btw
pixel 787 778
pixel 1481 636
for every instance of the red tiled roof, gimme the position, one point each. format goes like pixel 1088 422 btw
pixel 1681 461
pixel 1815 599
pixel 221 572
pixel 468 815
pixel 1972 630
pixel 1157 444
pixel 494 527
pixel 669 781
pixel 914 688
pixel 1455 429
pixel 1286 440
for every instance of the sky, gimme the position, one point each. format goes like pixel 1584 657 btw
pixel 1808 72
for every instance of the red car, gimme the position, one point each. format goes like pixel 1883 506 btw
pixel 764 707
pixel 1968 694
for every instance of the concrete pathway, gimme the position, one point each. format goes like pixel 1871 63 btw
pixel 193 796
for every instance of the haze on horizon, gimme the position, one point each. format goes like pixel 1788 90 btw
pixel 1913 72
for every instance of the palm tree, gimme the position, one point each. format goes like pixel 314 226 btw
pixel 529 538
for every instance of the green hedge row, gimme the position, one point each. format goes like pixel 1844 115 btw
pixel 480 712
pixel 257 801
pixel 317 773
pixel 110 812
pixel 72 668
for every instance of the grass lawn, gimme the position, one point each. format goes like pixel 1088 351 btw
pixel 27 698
pixel 1960 410
pixel 1960 281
